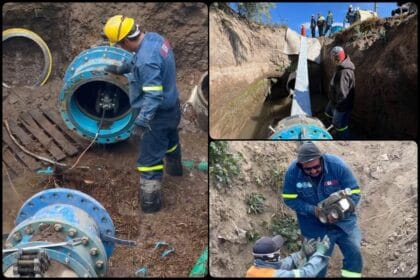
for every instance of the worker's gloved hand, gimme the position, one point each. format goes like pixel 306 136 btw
pixel 118 69
pixel 323 245
pixel 308 247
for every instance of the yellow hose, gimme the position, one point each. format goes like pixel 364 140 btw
pixel 21 32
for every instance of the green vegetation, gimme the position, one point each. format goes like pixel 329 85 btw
pixel 289 229
pixel 252 235
pixel 255 202
pixel 223 164
pixel 275 181
pixel 255 11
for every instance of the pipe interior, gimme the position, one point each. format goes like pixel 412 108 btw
pixel 88 98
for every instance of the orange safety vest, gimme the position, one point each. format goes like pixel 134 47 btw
pixel 254 271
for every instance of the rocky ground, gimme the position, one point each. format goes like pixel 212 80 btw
pixel 387 212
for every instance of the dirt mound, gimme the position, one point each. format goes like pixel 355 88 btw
pixel 387 179
pixel 69 29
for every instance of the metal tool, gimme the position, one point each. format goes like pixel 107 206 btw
pixel 336 205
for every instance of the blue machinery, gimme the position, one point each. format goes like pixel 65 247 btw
pixel 92 98
pixel 300 124
pixel 60 232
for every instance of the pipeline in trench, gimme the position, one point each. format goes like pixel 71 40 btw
pixel 277 103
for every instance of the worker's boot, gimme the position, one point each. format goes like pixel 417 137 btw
pixel 173 166
pixel 150 195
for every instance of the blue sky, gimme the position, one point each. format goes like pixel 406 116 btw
pixel 294 14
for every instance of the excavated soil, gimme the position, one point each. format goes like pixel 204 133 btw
pixel 387 212
pixel 111 178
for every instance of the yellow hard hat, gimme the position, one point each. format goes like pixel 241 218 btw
pixel 117 28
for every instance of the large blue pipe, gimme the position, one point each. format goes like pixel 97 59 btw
pixel 60 215
pixel 90 94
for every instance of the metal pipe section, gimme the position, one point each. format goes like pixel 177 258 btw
pixel 300 124
pixel 25 33
pixel 61 228
pixel 91 97
pixel 301 104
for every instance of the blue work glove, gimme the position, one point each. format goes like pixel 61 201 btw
pixel 118 69
pixel 323 245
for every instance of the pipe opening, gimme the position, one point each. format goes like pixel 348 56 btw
pixel 98 97
pixel 23 62
pixel 205 88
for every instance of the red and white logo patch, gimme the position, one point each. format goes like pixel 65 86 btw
pixel 330 183
pixel 164 49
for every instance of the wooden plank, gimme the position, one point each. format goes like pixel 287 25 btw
pixel 56 118
pixel 12 162
pixel 39 134
pixel 20 133
pixel 29 161
pixel 54 132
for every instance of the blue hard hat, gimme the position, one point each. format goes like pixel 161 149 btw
pixel 267 246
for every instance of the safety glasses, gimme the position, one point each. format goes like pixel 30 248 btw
pixel 309 169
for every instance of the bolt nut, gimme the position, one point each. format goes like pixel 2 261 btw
pixel 99 264
pixel 85 240
pixel 58 227
pixel 17 236
pixel 29 230
pixel 94 251
pixel 72 232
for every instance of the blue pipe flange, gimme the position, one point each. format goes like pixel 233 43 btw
pixel 90 94
pixel 302 131
pixel 300 127
pixel 53 220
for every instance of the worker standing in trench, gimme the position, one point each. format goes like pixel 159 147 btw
pixel 154 96
pixel 341 93
pixel 312 178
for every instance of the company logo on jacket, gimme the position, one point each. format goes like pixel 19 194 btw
pixel 303 185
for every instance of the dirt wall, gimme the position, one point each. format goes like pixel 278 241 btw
pixel 241 53
pixel 385 54
pixel 70 28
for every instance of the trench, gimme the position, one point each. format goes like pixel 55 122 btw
pixel 276 104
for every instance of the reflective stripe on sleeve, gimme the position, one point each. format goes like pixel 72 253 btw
pixel 353 191
pixel 290 195
pixel 152 88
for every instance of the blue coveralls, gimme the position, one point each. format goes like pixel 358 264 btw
pixel 292 266
pixel 302 194
pixel 154 96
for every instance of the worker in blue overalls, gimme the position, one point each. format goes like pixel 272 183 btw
pixel 312 178
pixel 154 97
